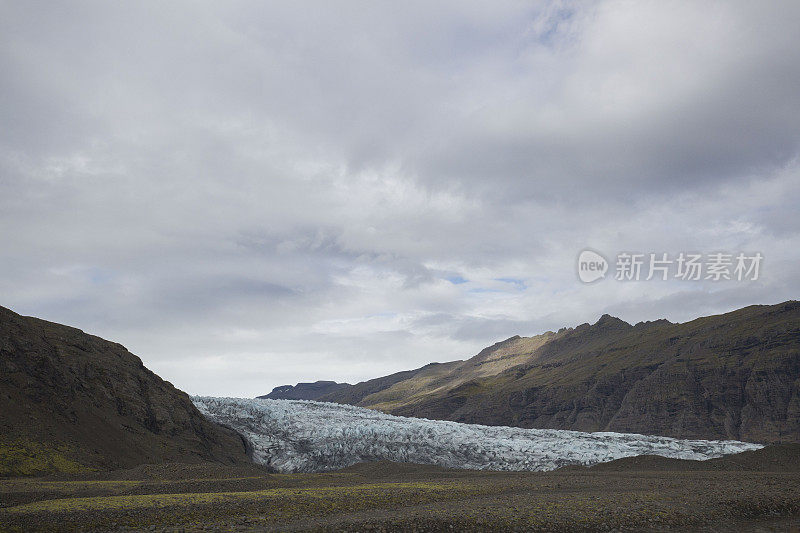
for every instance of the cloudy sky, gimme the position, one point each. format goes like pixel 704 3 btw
pixel 248 194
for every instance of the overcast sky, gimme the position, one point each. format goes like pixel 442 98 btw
pixel 249 194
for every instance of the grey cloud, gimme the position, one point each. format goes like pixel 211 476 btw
pixel 737 115
pixel 476 328
pixel 337 188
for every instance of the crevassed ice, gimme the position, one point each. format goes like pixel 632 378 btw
pixel 307 436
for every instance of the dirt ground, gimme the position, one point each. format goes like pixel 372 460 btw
pixel 757 491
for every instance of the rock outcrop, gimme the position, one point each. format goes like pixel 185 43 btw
pixel 304 391
pixel 72 401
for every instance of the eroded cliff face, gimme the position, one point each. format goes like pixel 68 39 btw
pixel 69 396
pixel 730 376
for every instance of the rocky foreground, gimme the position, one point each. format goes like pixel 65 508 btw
pixel 752 491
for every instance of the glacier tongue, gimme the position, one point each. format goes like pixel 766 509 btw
pixel 307 436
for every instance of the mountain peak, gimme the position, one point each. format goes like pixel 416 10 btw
pixel 611 321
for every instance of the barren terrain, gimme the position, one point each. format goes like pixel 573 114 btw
pixel 753 491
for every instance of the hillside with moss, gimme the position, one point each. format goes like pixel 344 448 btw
pixel 72 402
pixel 729 376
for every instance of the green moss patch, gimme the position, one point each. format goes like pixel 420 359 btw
pixel 358 496
pixel 22 457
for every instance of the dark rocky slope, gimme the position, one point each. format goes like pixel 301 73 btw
pixel 733 376
pixel 305 391
pixel 69 400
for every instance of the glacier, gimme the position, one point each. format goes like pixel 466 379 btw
pixel 306 436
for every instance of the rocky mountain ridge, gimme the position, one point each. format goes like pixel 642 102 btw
pixel 729 376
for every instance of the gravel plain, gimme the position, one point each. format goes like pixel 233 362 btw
pixel 753 491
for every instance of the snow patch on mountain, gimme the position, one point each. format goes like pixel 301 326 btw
pixel 308 436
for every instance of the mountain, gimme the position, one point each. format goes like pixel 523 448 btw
pixel 305 436
pixel 304 391
pixel 70 401
pixel 437 378
pixel 729 376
